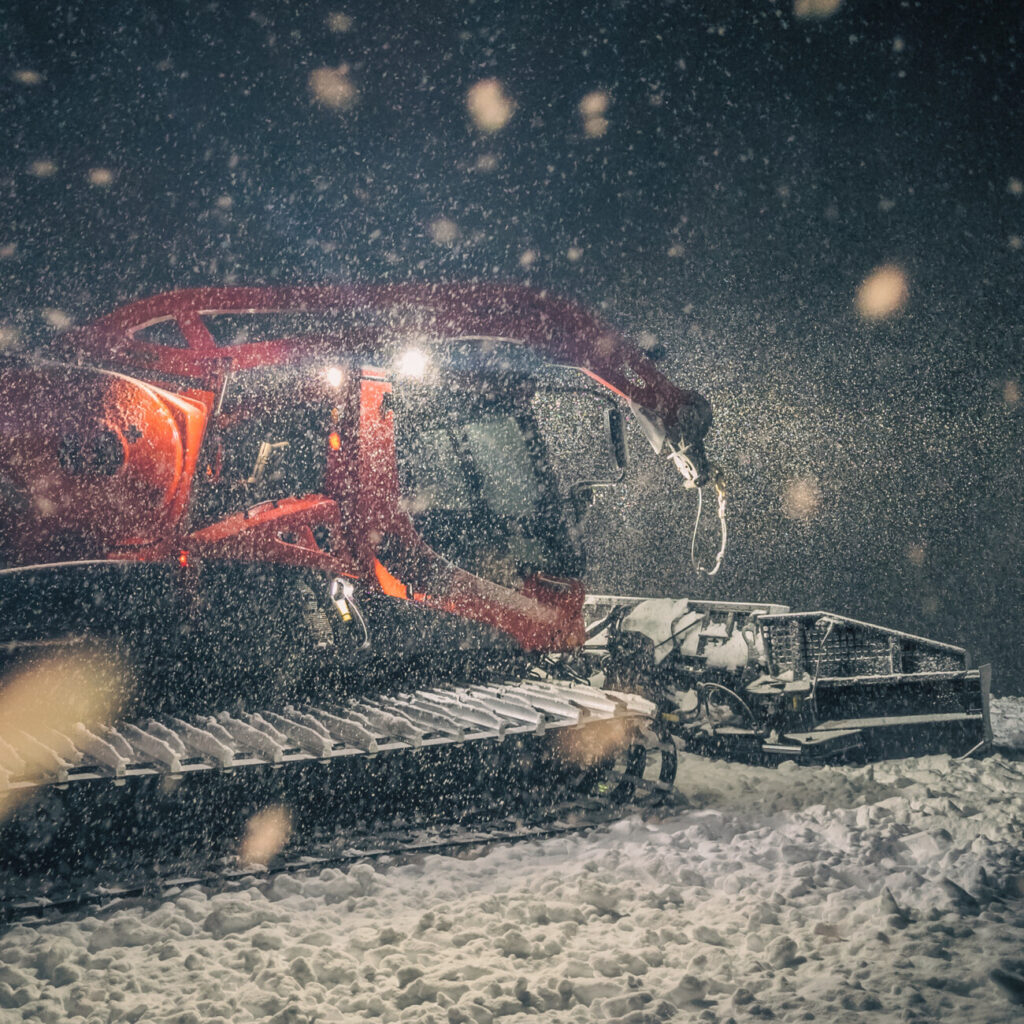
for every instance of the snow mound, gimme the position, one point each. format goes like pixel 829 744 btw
pixel 1008 722
pixel 894 890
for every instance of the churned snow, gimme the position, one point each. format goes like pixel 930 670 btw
pixel 886 892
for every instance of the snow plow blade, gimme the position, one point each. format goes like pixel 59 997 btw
pixel 756 682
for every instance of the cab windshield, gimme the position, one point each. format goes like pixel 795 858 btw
pixel 476 482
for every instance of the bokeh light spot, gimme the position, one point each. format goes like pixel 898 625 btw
pixel 593 108
pixel 57 318
pixel 338 21
pixel 598 742
pixel 49 696
pixel 265 835
pixel 443 231
pixel 816 8
pixel 595 104
pixel 882 293
pixel 916 554
pixel 332 87
pixel 489 106
pixel 801 497
pixel 42 168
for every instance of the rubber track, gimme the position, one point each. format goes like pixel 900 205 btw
pixel 161 883
pixel 368 729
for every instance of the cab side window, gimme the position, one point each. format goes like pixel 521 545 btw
pixel 264 446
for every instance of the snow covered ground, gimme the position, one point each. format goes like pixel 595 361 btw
pixel 889 892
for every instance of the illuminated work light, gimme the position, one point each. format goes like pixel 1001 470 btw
pixel 411 363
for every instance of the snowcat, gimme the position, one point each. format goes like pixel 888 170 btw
pixel 304 547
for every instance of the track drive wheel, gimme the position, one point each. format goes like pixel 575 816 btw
pixel 644 773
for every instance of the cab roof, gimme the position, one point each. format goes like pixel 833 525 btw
pixel 362 317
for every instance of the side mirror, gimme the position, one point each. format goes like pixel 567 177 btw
pixel 581 497
pixel 616 429
pixel 583 494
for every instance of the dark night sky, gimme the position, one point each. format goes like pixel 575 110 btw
pixel 755 169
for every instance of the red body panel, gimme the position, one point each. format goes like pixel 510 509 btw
pixel 97 464
pixel 91 461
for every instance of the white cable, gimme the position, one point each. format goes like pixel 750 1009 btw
pixel 697 567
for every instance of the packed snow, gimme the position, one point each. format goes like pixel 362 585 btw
pixel 886 892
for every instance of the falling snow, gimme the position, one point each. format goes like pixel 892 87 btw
pixel 814 209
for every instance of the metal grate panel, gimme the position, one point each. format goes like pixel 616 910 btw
pixel 818 643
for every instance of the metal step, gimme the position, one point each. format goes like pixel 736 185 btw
pixel 224 741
